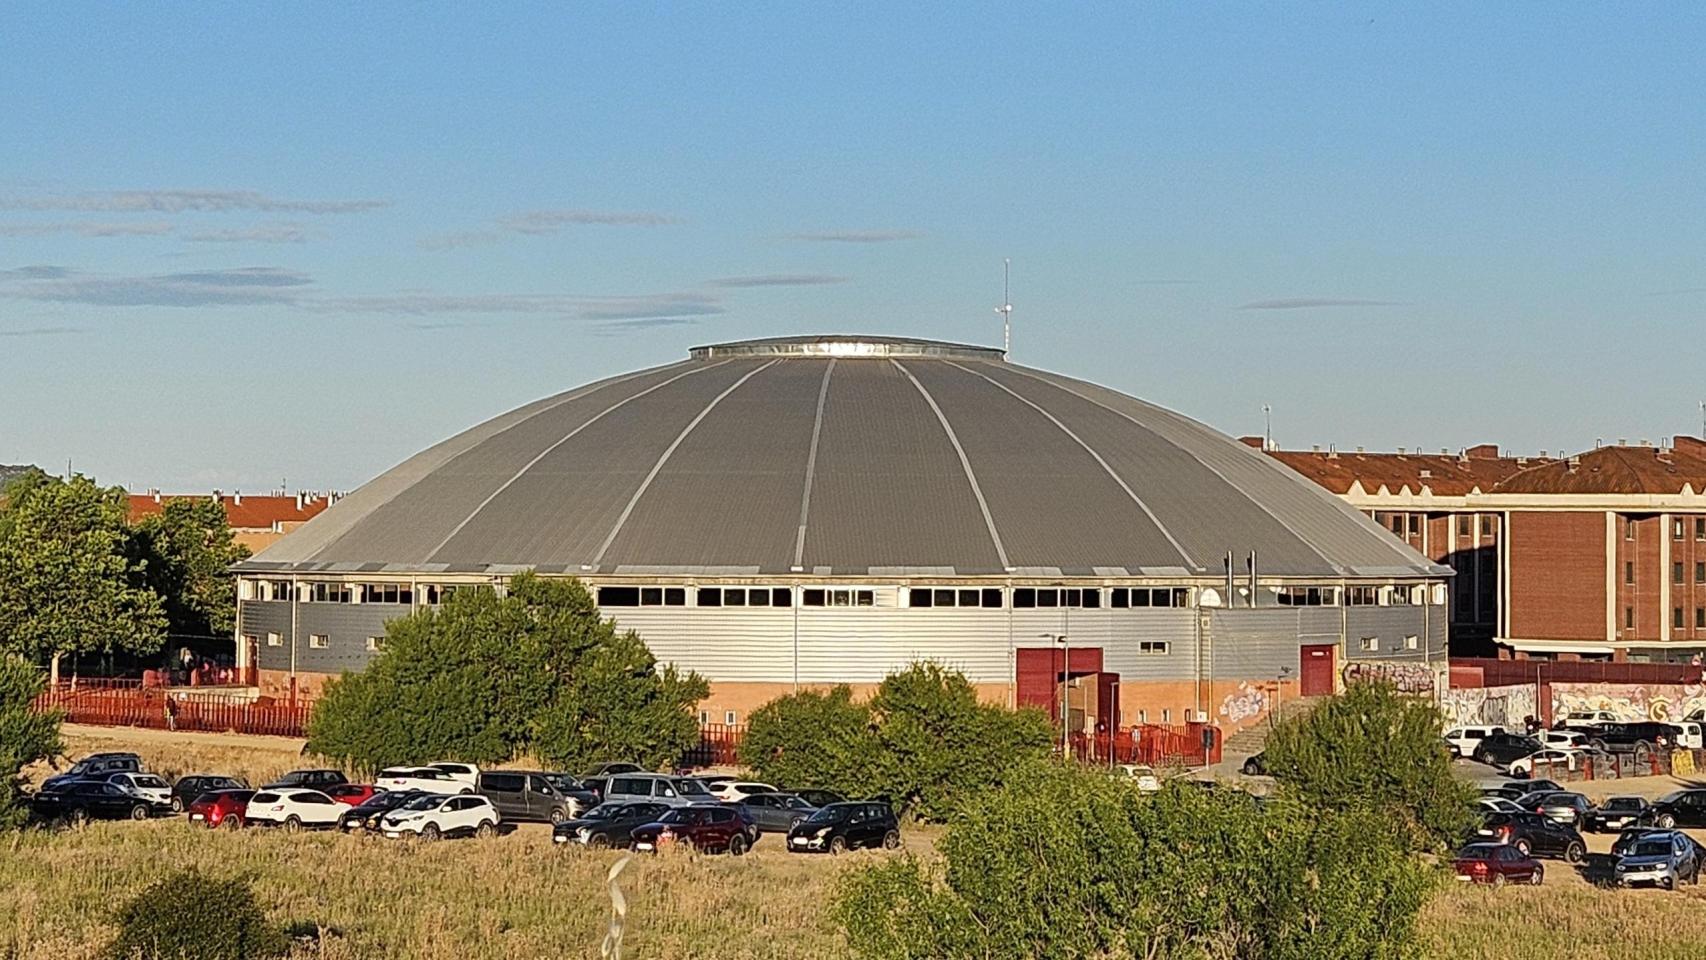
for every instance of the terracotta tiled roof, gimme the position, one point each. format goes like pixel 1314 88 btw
pixel 1620 469
pixel 242 511
pixel 1447 475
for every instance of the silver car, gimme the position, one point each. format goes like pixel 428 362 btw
pixel 1665 857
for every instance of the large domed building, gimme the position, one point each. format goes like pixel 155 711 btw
pixel 794 512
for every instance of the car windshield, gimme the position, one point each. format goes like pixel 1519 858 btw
pixel 562 781
pixel 428 802
pixel 148 780
pixel 1623 803
pixel 606 811
pixel 828 815
pixel 1673 796
pixel 1650 848
pixel 1477 851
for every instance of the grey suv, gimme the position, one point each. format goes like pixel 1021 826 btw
pixel 527 795
pixel 1666 858
pixel 656 788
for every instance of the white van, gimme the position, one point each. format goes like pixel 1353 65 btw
pixel 1462 741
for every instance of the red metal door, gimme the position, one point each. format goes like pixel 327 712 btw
pixel 1037 674
pixel 1316 669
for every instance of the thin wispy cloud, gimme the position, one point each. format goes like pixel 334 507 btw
pixel 265 233
pixel 459 240
pixel 614 328
pixel 854 236
pixel 25 229
pixel 644 306
pixel 185 201
pixel 248 286
pixel 1307 303
pixel 778 280
pixel 41 332
pixel 551 221
pixel 39 271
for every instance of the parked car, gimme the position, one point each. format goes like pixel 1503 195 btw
pixel 426 779
pixel 581 797
pixel 351 794
pixel 1499 749
pixel 1639 739
pixel 527 795
pixel 1534 834
pixel 1615 814
pixel 95 766
pixel 707 827
pixel 432 816
pixel 611 769
pixel 1626 840
pixel 1462 741
pixel 1666 858
pixel 1256 766
pixel 146 786
pixel 776 812
pixel 595 787
pixel 1525 787
pixel 670 791
pixel 1497 864
pixel 1144 776
pixel 847 826
pixel 465 772
pixel 1587 720
pixel 819 798
pixel 714 780
pixel 734 791
pixel 311 779
pixel 1564 739
pixel 293 809
pixel 1559 806
pixel 1682 808
pixel 220 808
pixel 79 800
pixel 366 815
pixel 188 789
pixel 1499 805
pixel 1548 759
pixel 608 824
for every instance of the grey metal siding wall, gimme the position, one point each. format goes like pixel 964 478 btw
pixel 1118 633
pixel 1391 625
pixel 746 644
pixel 1260 643
pixel 346 627
pixel 260 618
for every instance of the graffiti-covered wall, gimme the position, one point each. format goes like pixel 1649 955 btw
pixel 1503 706
pixel 1630 701
pixel 1409 676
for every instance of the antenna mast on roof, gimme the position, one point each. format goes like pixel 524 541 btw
pixel 1267 427
pixel 1006 311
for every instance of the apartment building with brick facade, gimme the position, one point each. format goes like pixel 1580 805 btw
pixel 257 522
pixel 1600 555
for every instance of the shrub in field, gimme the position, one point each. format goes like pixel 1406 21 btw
pixel 25 736
pixel 1374 748
pixel 923 741
pixel 1065 863
pixel 189 916
pixel 485 678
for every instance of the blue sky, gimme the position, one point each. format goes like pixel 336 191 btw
pixel 302 243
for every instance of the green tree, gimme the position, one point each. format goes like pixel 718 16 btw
pixel 187 915
pixel 485 678
pixel 1061 862
pixel 25 735
pixel 815 739
pixel 69 582
pixel 1377 749
pixel 188 549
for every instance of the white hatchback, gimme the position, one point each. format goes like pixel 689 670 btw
pixel 737 790
pixel 1548 760
pixel 293 809
pixel 428 779
pixel 143 786
pixel 433 817
pixel 465 772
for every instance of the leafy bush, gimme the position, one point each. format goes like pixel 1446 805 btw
pixel 486 678
pixel 923 741
pixel 1374 748
pixel 25 736
pixel 189 916
pixel 1065 863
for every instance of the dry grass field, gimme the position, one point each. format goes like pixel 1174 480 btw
pixel 516 898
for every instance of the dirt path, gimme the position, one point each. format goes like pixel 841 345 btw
pixel 77 733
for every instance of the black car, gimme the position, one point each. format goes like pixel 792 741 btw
pixel 1640 739
pixel 79 800
pixel 187 789
pixel 1615 814
pixel 95 766
pixel 1499 749
pixel 1684 808
pixel 846 826
pixel 308 779
pixel 607 825
pixel 365 815
pixel 819 798
pixel 1534 834
pixel 1256 766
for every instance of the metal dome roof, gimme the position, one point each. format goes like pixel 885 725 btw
pixel 842 456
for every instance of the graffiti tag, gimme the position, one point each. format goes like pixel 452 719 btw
pixel 1245 702
pixel 1407 677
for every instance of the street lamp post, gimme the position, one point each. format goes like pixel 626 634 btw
pixel 1065 688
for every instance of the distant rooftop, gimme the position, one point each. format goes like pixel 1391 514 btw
pixel 847 345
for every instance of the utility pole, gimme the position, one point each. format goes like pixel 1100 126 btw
pixel 1268 427
pixel 1006 310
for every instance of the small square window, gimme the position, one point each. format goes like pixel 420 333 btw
pixel 758 598
pixel 1676 530
pixel 1154 647
pixel 1699 571
pixel 1676 617
pixel 730 717
pixel 1676 572
pixel 811 598
pixel 1463 524
pixel 1412 642
pixel 1024 598
pixel 1629 571
pixel 1700 528
pixel 375 644
pixel 1166 715
pixel 1486 525
pixel 275 640
pixel 1119 598
pixel 1629 529
pixel 1370 644
pixel 781 597
pixel 675 597
pixel 319 641
pixel 992 598
pixel 1628 618
pixel 704 717
pixel 1700 618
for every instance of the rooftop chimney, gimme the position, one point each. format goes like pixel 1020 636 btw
pixel 1332 451
pixel 1400 451
pixel 1315 448
pixel 1359 449
pixel 299 501
pixel 237 498
pixel 1693 445
pixel 1483 451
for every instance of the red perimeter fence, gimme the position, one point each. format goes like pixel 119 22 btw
pixel 127 703
pixel 1466 671
pixel 1151 744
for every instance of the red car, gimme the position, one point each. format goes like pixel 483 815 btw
pixel 221 808
pixel 1497 864
pixel 703 827
pixel 351 794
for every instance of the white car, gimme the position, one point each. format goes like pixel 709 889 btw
pixel 737 790
pixel 1500 805
pixel 1145 777
pixel 428 779
pixel 1588 719
pixel 1547 760
pixel 1464 740
pixel 292 809
pixel 465 772
pixel 142 786
pixel 1564 739
pixel 432 817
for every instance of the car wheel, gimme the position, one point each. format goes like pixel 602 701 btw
pixel 293 824
pixel 78 818
pixel 177 804
pixel 1666 821
pixel 558 815
pixel 1575 853
pixel 598 841
pixel 486 830
pixel 837 845
pixel 1669 883
pixel 139 812
pixel 737 844
pixel 232 822
pixel 1538 877
pixel 430 832
pixel 1498 880
pixel 891 840
pixel 1522 847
